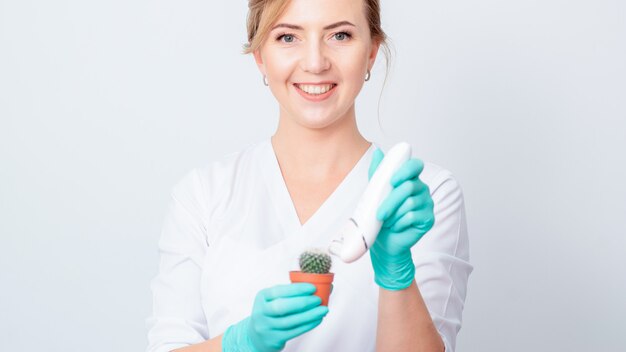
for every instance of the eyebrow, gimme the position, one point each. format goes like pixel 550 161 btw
pixel 330 26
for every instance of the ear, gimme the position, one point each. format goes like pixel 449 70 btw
pixel 259 60
pixel 373 53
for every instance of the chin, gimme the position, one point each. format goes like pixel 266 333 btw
pixel 317 121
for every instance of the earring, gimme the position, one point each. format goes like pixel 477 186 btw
pixel 265 80
pixel 367 76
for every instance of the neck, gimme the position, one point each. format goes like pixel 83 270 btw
pixel 318 154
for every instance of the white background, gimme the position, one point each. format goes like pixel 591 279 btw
pixel 105 105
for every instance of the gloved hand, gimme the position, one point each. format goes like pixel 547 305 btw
pixel 407 214
pixel 279 314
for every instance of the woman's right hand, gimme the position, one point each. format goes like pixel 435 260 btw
pixel 279 314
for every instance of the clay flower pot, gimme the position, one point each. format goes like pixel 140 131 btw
pixel 321 281
pixel 315 264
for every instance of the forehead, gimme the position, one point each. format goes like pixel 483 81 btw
pixel 322 12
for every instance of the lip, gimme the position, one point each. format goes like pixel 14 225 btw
pixel 315 98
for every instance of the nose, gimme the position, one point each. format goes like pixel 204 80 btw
pixel 314 58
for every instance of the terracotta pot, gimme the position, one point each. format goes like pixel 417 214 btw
pixel 321 281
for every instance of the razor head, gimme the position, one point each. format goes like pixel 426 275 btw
pixel 350 245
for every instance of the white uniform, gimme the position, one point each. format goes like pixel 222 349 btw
pixel 233 230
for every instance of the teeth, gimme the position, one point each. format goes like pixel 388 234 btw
pixel 315 89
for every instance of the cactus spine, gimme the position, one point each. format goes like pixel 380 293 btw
pixel 315 261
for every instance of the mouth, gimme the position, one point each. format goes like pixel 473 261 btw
pixel 315 89
pixel 315 92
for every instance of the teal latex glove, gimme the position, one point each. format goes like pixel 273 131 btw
pixel 279 314
pixel 407 214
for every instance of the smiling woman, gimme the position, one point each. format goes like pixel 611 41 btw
pixel 237 226
pixel 315 55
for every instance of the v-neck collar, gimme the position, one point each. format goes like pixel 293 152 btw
pixel 284 205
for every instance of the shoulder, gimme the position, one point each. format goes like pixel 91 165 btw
pixel 437 178
pixel 219 172
pixel 205 187
pixel 441 182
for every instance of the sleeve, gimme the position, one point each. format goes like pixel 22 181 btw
pixel 177 318
pixel 441 259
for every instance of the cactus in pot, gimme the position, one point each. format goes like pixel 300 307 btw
pixel 315 261
pixel 315 265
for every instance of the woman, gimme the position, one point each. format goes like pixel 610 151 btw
pixel 235 227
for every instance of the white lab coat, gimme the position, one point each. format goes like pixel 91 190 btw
pixel 232 230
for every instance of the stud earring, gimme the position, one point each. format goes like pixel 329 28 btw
pixel 367 76
pixel 265 81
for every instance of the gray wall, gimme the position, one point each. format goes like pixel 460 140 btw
pixel 105 105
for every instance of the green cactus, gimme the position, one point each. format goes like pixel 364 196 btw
pixel 315 261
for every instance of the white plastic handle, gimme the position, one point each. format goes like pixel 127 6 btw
pixel 360 231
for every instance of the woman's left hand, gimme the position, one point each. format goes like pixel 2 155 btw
pixel 407 214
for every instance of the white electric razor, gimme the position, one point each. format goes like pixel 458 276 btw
pixel 360 231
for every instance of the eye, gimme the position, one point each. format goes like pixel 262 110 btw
pixel 342 36
pixel 286 38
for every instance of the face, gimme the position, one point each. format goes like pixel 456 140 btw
pixel 316 58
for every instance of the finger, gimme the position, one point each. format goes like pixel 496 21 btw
pixel 290 290
pixel 286 306
pixel 406 238
pixel 397 196
pixel 411 218
pixel 410 169
pixel 376 159
pixel 409 204
pixel 417 218
pixel 418 201
pixel 295 320
pixel 290 334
